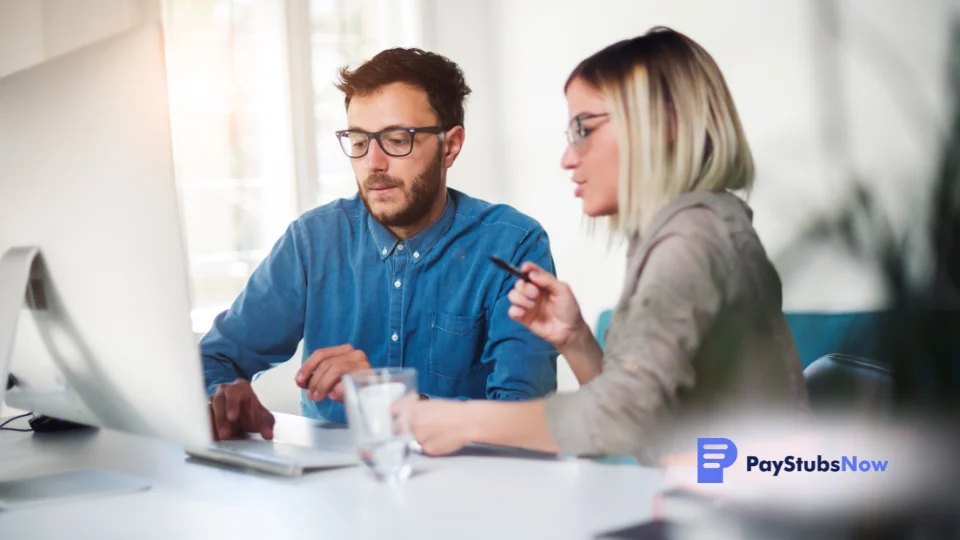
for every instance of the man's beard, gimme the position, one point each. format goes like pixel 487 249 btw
pixel 419 197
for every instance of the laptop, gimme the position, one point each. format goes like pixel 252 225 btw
pixel 300 445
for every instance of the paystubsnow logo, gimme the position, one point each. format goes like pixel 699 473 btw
pixel 716 454
pixel 713 456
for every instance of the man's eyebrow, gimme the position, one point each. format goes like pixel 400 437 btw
pixel 392 126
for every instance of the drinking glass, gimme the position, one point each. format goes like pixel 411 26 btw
pixel 383 437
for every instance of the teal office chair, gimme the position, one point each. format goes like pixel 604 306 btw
pixel 841 382
pixel 853 333
pixel 603 322
pixel 816 334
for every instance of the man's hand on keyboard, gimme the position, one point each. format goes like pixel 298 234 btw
pixel 320 374
pixel 235 411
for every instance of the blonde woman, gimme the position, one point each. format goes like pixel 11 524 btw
pixel 655 144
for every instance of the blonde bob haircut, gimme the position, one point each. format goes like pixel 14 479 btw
pixel 678 128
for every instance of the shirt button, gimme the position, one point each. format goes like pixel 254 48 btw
pixel 384 251
pixel 394 337
pixel 396 283
pixel 416 254
pixel 400 247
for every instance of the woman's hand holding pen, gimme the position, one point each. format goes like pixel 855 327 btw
pixel 547 307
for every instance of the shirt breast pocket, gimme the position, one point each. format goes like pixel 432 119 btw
pixel 456 345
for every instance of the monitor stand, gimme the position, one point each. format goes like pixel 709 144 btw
pixel 16 289
pixel 21 286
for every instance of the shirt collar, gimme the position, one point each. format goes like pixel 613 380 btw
pixel 418 245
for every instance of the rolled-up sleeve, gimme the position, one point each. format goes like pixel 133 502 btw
pixel 648 362
pixel 524 366
pixel 265 324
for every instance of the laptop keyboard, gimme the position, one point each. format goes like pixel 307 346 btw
pixel 305 456
pixel 270 448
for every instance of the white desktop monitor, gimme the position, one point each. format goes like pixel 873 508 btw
pixel 87 176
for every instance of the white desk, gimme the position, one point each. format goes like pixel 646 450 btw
pixel 457 497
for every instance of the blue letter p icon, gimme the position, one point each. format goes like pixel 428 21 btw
pixel 713 456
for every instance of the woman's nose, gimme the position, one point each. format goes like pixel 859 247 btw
pixel 570 159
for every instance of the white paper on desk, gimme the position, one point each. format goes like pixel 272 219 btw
pixel 64 487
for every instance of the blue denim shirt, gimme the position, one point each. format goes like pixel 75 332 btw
pixel 434 302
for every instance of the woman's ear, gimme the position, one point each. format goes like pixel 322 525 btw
pixel 452 144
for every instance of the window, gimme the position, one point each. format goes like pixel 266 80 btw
pixel 250 86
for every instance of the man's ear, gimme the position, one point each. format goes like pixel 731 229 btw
pixel 453 143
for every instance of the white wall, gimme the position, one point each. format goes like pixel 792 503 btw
pixel 32 31
pixel 461 30
pixel 21 35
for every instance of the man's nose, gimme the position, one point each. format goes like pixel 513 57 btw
pixel 377 160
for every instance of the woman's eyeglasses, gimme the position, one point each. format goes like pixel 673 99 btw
pixel 396 142
pixel 577 132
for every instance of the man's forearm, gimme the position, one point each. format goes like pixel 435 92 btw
pixel 217 371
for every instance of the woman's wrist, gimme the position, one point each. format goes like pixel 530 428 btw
pixel 578 342
pixel 519 424
pixel 474 421
pixel 583 354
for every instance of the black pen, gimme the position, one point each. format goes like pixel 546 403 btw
pixel 514 271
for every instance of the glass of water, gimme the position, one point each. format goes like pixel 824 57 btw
pixel 383 438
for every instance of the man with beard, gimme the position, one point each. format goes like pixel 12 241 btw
pixel 398 275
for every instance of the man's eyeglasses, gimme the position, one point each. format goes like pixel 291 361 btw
pixel 396 142
pixel 577 132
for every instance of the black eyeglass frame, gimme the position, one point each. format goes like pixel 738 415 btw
pixel 343 134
